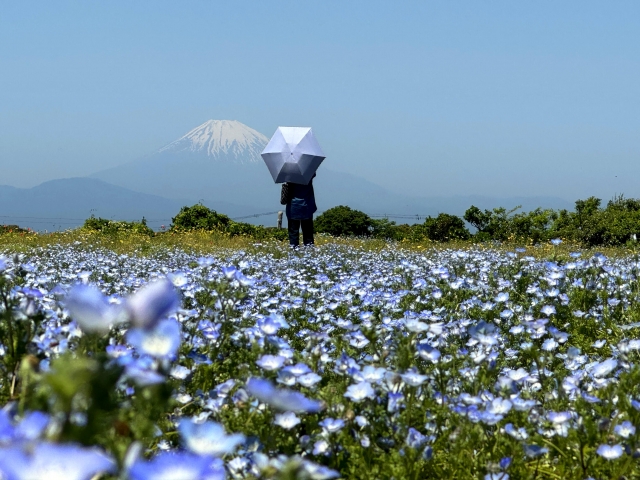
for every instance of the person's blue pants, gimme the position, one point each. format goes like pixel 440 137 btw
pixel 294 231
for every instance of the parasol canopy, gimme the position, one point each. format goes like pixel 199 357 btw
pixel 293 155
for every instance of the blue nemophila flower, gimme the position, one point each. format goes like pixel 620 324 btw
pixel 548 310
pixel 332 425
pixel 152 303
pixel 179 279
pixel 52 461
pixel 415 439
pixel 610 452
pixel 604 368
pixel 309 380
pixel 625 429
pixel 359 392
pixel 208 438
pixel 223 389
pixel 549 345
pixel 313 471
pixel 533 451
pixel 229 272
pixel 178 466
pixel 270 362
pixel 413 378
pixel 179 372
pixel 143 375
pixel 499 406
pixel 271 324
pixel 497 476
pixel 298 369
pixel 321 447
pixel 32 426
pixel 161 341
pixel 371 374
pixel 394 402
pixel 284 377
pixel 414 325
pixel 427 352
pixel 7 430
pixel 91 309
pixel 502 297
pixel 286 420
pixel 281 399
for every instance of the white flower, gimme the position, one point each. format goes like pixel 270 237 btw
pixel 286 420
pixel 359 391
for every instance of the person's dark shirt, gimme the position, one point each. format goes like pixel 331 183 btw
pixel 303 201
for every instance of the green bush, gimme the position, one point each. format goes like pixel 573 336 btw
pixel 445 227
pixel 593 226
pixel 589 225
pixel 503 225
pixel 385 229
pixel 113 227
pixel 199 217
pixel 344 221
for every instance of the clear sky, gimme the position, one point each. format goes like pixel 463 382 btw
pixel 496 98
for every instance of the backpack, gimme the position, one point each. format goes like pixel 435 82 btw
pixel 285 194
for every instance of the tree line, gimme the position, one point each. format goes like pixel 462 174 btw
pixel 590 224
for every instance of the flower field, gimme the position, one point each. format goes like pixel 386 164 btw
pixel 332 362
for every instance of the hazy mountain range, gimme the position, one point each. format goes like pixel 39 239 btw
pixel 217 163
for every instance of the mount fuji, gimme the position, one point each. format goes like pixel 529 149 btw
pixel 218 139
pixel 219 163
pixel 216 161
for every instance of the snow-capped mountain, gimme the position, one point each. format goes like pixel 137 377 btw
pixel 221 138
pixel 218 160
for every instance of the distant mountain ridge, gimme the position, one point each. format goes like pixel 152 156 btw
pixel 220 161
pixel 66 203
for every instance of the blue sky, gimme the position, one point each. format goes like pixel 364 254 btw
pixel 428 98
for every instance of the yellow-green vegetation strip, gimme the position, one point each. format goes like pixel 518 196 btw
pixel 203 242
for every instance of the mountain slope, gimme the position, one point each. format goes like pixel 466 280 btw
pixel 217 138
pixel 66 203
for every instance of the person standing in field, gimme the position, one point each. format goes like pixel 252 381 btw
pixel 301 205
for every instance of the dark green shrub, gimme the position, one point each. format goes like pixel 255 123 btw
pixel 385 229
pixel 504 225
pixel 594 226
pixel 344 221
pixel 491 224
pixel 199 217
pixel 113 227
pixel 445 227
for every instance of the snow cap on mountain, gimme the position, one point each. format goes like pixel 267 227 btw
pixel 217 138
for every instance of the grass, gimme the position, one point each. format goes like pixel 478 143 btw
pixel 201 242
